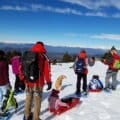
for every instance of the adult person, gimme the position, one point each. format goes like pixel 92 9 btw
pixel 34 90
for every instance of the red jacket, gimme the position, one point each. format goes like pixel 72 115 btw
pixel 4 75
pixel 115 57
pixel 44 66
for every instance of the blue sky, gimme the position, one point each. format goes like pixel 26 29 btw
pixel 81 23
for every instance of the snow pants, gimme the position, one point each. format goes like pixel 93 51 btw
pixel 80 77
pixel 113 75
pixel 33 98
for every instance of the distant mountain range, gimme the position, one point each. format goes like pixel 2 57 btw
pixel 53 51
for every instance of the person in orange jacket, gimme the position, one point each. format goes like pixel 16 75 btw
pixel 111 71
pixel 80 68
pixel 34 89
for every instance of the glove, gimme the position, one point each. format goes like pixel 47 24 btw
pixel 49 85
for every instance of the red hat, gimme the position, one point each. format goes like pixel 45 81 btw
pixel 38 47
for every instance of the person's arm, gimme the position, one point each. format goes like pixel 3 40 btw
pixel 116 56
pixel 47 71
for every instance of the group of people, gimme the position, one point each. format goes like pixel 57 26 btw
pixel 111 59
pixel 34 89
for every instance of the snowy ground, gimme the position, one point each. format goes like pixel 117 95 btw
pixel 97 106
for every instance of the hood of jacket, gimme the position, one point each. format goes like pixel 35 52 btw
pixel 38 48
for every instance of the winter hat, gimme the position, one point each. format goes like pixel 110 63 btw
pixel 58 82
pixel 113 48
pixel 82 54
pixel 39 47
pixel 95 77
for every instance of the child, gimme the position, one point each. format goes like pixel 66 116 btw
pixel 95 84
pixel 54 100
pixel 80 68
pixel 57 105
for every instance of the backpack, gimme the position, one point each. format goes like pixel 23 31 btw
pixel 95 84
pixel 108 57
pixel 116 64
pixel 80 66
pixel 30 66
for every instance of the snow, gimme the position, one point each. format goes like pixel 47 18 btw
pixel 97 106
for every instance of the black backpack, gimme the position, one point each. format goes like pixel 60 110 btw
pixel 80 66
pixel 30 66
pixel 108 57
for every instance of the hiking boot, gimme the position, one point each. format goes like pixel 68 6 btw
pixel 107 89
pixel 78 93
pixel 113 88
pixel 29 118
pixel 84 92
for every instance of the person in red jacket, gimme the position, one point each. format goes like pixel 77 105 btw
pixel 111 71
pixel 4 76
pixel 80 68
pixel 34 89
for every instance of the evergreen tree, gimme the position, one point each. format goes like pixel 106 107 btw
pixel 66 57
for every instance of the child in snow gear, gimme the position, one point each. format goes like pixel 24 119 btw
pixel 95 85
pixel 4 76
pixel 9 101
pixel 80 68
pixel 34 89
pixel 15 62
pixel 57 105
pixel 111 71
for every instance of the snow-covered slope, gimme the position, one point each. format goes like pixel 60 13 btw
pixel 97 106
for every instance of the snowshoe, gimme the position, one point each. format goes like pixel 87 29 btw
pixel 9 101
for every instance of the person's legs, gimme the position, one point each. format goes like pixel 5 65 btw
pixel 28 102
pixel 78 84
pixel 17 80
pixel 107 78
pixel 37 102
pixel 84 82
pixel 114 80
